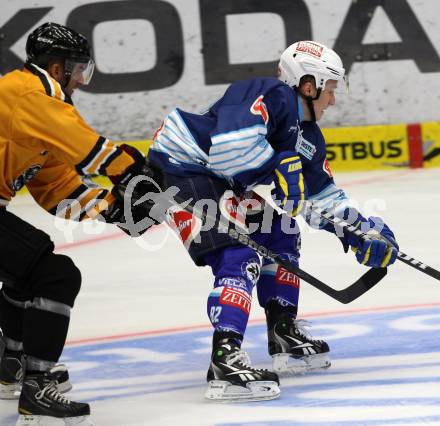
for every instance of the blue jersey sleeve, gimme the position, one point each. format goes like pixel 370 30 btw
pixel 249 118
pixel 322 190
pixel 237 139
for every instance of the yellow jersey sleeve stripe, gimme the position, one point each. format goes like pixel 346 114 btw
pixel 99 206
pixel 87 204
pixel 290 159
pixel 76 196
pixel 106 151
pixel 93 205
pixel 100 159
pixel 284 187
pixel 84 166
pixel 301 202
pixel 108 160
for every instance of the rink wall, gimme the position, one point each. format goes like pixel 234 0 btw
pixel 390 49
pixel 365 148
pixel 379 147
pixel 383 147
pixel 351 149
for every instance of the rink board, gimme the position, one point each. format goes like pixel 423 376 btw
pixel 431 144
pixel 366 148
pixel 382 361
pixel 356 149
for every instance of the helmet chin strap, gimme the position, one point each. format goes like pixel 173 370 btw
pixel 309 101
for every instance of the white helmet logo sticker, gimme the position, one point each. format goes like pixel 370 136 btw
pixel 310 48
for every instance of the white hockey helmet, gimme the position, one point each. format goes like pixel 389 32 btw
pixel 310 58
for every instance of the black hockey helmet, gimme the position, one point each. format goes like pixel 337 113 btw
pixel 52 40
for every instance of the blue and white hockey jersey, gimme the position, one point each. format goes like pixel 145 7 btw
pixel 239 137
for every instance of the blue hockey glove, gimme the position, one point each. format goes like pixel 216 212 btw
pixel 290 189
pixel 380 250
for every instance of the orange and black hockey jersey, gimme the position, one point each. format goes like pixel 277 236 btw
pixel 46 145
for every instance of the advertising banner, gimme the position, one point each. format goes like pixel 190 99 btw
pixel 367 147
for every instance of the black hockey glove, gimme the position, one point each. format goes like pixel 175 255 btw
pixel 132 209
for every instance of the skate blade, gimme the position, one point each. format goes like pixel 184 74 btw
pixel 318 361
pixel 31 420
pixel 222 391
pixel 11 391
pixel 286 365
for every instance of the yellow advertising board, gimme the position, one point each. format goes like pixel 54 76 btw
pixel 361 148
pixel 367 147
pixel 431 144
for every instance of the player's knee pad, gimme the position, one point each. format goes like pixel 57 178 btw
pixel 21 247
pixel 57 279
pixel 47 304
pixel 54 285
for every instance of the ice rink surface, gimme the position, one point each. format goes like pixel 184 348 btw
pixel 139 342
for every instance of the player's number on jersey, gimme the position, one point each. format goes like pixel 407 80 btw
pixel 215 313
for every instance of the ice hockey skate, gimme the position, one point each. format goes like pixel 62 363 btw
pixel 231 377
pixel 11 375
pixel 41 404
pixel 293 350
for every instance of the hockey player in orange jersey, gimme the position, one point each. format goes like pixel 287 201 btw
pixel 46 145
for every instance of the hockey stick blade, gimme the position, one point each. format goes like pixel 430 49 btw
pixel 346 295
pixel 352 292
pixel 414 263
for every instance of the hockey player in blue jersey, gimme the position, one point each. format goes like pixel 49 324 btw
pixel 261 131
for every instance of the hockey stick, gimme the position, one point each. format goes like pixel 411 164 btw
pixel 337 222
pixel 346 295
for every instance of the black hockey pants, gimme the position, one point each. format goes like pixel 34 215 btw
pixel 38 289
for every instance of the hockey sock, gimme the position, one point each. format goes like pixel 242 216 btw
pixel 278 285
pixel 11 317
pixel 44 334
pixel 221 337
pixel 274 311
